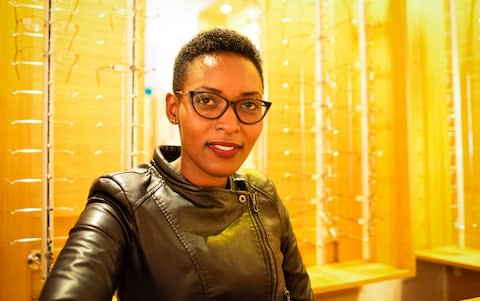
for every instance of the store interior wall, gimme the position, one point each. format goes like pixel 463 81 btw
pixel 170 25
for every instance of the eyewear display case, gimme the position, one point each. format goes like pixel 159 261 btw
pixel 70 111
pixel 445 132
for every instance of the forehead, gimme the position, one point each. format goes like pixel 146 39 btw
pixel 215 59
pixel 210 59
pixel 223 66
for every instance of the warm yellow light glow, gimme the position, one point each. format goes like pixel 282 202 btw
pixel 253 12
pixel 255 28
pixel 226 8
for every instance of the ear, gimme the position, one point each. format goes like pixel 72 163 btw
pixel 171 107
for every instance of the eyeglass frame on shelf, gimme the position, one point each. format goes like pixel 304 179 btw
pixel 39 62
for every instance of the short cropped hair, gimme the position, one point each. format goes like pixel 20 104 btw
pixel 210 41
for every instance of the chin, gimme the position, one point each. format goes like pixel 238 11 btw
pixel 223 172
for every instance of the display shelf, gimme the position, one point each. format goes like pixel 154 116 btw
pixel 466 258
pixel 345 275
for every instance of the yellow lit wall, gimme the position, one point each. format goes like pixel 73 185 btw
pixel 374 125
pixel 82 118
pixel 443 112
pixel 290 59
pixel 337 134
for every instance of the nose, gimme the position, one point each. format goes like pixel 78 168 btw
pixel 228 122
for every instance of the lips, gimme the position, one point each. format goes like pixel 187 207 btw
pixel 224 149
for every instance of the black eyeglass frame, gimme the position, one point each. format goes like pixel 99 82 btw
pixel 230 103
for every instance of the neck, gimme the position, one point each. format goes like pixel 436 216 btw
pixel 198 180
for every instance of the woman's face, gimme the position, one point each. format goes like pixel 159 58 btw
pixel 214 149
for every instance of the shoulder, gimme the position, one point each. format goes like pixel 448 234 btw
pixel 131 185
pixel 264 187
pixel 259 182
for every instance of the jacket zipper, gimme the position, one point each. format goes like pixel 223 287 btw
pixel 253 197
pixel 266 246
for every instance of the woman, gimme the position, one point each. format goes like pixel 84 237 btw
pixel 187 226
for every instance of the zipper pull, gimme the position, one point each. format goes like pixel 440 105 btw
pixel 286 295
pixel 253 197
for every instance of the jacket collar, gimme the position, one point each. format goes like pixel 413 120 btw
pixel 165 154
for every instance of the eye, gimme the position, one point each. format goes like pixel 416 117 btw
pixel 205 99
pixel 250 105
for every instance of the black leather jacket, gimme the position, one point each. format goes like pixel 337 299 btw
pixel 149 234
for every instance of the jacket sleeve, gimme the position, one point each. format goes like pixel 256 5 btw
pixel 296 277
pixel 89 264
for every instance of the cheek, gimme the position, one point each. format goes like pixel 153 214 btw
pixel 187 116
pixel 188 129
pixel 193 127
pixel 253 133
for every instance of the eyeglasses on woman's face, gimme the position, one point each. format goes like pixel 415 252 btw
pixel 211 105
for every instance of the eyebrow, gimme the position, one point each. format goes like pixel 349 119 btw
pixel 244 94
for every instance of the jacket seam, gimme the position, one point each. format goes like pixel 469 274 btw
pixel 136 203
pixel 184 244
